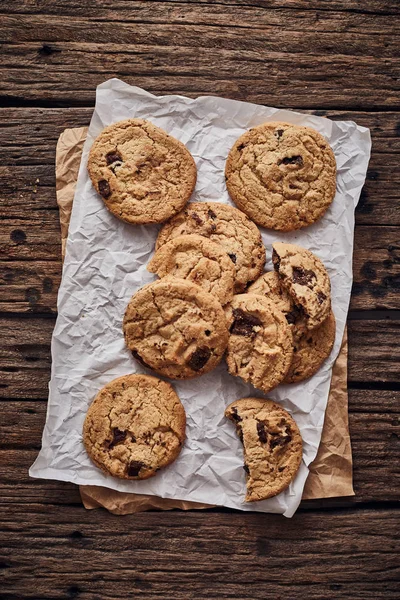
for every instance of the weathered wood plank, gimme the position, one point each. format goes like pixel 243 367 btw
pixel 275 65
pixel 67 552
pixel 30 278
pixel 25 359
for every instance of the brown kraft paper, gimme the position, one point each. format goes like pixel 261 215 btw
pixel 331 473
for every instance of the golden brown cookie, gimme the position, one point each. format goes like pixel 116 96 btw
pixel 199 260
pixel 260 345
pixel 269 285
pixel 134 427
pixel 175 328
pixel 305 279
pixel 282 176
pixel 227 226
pixel 143 174
pixel 311 349
pixel 272 445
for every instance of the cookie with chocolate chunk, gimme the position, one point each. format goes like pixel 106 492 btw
pixel 306 280
pixel 134 427
pixel 311 349
pixel 269 286
pixel 227 226
pixel 143 174
pixel 199 260
pixel 260 345
pixel 272 445
pixel 175 328
pixel 281 175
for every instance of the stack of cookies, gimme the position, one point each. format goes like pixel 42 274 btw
pixel 212 298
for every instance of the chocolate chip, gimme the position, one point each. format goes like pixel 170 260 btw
pixel 280 469
pixel 207 332
pixel 276 259
pixel 104 188
pixel 241 146
pixel 196 218
pixel 262 432
pixel 213 228
pixel 246 468
pixel 291 160
pixel 232 257
pixel 321 297
pixel 235 415
pixel 118 437
pixel 302 276
pixel 199 358
pixel 113 157
pixel 134 467
pixel 137 356
pixel 211 214
pixel 279 132
pixel 294 314
pixel 280 441
pixel 243 323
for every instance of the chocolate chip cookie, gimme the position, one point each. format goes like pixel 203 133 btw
pixel 199 260
pixel 227 226
pixel 260 347
pixel 311 349
pixel 269 285
pixel 175 328
pixel 143 174
pixel 306 280
pixel 272 445
pixel 134 427
pixel 282 176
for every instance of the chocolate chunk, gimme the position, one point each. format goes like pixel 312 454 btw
pixel 280 469
pixel 321 297
pixel 294 314
pixel 134 467
pixel 211 214
pixel 113 157
pixel 262 432
pixel 302 276
pixel 137 356
pixel 276 259
pixel 104 188
pixel 118 437
pixel 232 257
pixel 235 415
pixel 280 441
pixel 207 332
pixel 243 323
pixel 246 468
pixel 196 218
pixel 199 358
pixel 279 132
pixel 241 146
pixel 291 160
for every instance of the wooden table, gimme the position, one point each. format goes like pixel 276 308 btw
pixel 333 58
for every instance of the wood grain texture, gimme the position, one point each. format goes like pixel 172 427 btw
pixel 161 46
pixel 67 552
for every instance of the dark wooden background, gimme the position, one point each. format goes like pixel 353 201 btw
pixel 335 58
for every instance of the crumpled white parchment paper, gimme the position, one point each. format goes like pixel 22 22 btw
pixel 105 264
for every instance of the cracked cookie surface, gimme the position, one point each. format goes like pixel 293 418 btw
pixel 199 260
pixel 227 226
pixel 175 328
pixel 134 427
pixel 310 350
pixel 282 176
pixel 260 345
pixel 306 280
pixel 143 174
pixel 272 445
pixel 269 285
